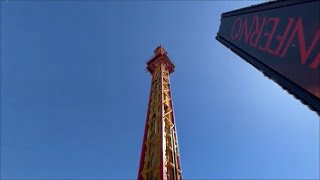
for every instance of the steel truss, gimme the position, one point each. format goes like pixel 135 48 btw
pixel 160 157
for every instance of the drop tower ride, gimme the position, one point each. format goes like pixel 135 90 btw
pixel 160 157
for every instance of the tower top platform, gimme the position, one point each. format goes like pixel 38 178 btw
pixel 160 57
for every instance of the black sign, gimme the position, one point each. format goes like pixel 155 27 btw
pixel 282 39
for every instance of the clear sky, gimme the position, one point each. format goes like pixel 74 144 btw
pixel 74 94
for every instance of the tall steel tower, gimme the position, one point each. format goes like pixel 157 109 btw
pixel 160 157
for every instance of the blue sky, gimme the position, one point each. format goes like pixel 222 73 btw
pixel 74 94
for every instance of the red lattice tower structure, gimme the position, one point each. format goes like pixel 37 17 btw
pixel 160 158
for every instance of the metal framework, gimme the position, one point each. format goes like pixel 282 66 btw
pixel 160 157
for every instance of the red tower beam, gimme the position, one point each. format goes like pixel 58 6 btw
pixel 160 157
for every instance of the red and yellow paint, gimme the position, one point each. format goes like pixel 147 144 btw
pixel 160 158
